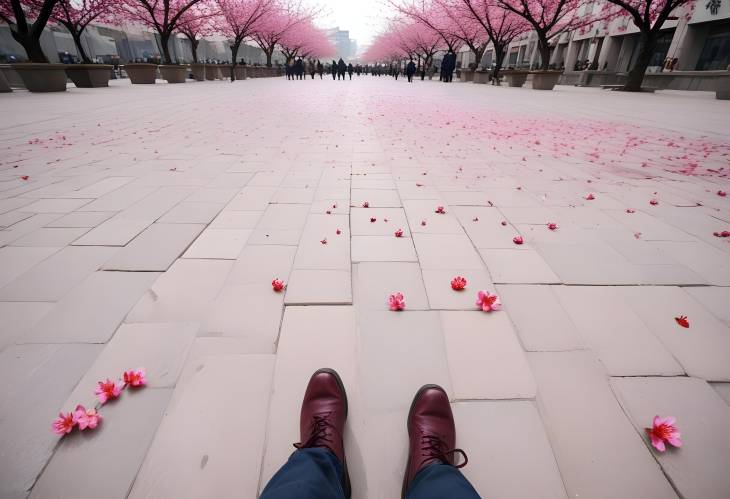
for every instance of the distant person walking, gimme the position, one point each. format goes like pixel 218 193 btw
pixel 341 69
pixel 447 66
pixel 320 69
pixel 299 69
pixel 350 70
pixel 410 70
pixel 334 69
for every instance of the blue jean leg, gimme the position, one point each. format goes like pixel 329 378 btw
pixel 313 473
pixel 439 481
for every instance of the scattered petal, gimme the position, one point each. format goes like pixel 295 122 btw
pixel 630 210
pixel 682 321
pixel 664 430
pixel 373 220
pixel 590 197
pixel 87 418
pixel 423 223
pixel 488 302
pixel 278 285
pixel 440 210
pixel 552 226
pixel 24 177
pixel 518 240
pixel 107 390
pixel 329 212
pixel 458 283
pixel 475 219
pixel 504 223
pixel 722 194
pixel 64 423
pixel 324 241
pixel 399 233
pixel 338 232
pixel 366 204
pixel 653 202
pixel 637 235
pixel 135 378
pixel 396 302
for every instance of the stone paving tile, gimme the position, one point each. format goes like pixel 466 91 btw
pixel 34 382
pixel 540 320
pixel 248 311
pixel 377 198
pixel 485 358
pixel 383 249
pixel 582 418
pixel 420 210
pixel 710 263
pixel 209 461
pixel 50 237
pixel 223 244
pixel 283 216
pixel 55 205
pixel 699 468
pixel 156 248
pixel 442 297
pixel 55 276
pixel 113 232
pixel 262 264
pixel 703 350
pixel 24 227
pixel 91 312
pixel 300 353
pixel 334 254
pixel 723 390
pixel 251 199
pixel 119 199
pixel 229 219
pixel 361 223
pixel 713 299
pixel 19 317
pixel 374 282
pixel 319 287
pixel 170 299
pixel 155 206
pixel 192 213
pixel 267 237
pixel 212 195
pixel 112 454
pixel 623 342
pixel 15 261
pixel 86 219
pixel 439 251
pixel 506 442
pixel 13 217
pixel 518 266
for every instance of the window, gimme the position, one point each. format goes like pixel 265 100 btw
pixel 716 52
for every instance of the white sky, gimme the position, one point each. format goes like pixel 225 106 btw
pixel 363 18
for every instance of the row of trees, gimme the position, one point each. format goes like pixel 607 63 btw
pixel 425 27
pixel 286 25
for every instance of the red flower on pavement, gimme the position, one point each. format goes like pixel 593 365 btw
pixel 722 194
pixel 338 232
pixel 423 223
pixel 396 302
pixel 630 210
pixel 504 223
pixel 664 430
pixel 590 197
pixel 653 202
pixel 488 302
pixel 373 220
pixel 135 378
pixel 107 390
pixel 399 233
pixel 329 212
pixel 87 418
pixel 278 285
pixel 440 210
pixel 458 283
pixel 24 177
pixel 64 423
pixel 324 241
pixel 366 205
pixel 724 233
pixel 476 219
pixel 552 226
pixel 682 321
pixel 518 240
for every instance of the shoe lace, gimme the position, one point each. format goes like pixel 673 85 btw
pixel 319 435
pixel 432 447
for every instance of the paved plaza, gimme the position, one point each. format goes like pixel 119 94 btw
pixel 142 227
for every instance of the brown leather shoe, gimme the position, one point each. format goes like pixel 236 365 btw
pixel 322 421
pixel 431 432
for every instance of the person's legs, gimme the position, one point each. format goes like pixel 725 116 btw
pixel 318 470
pixel 313 473
pixel 432 472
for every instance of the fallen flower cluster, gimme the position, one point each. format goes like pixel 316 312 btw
pixel 105 391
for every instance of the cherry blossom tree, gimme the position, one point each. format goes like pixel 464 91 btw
pixel 76 15
pixel 17 15
pixel 194 24
pixel 548 18
pixel 305 40
pixel 431 15
pixel 464 27
pixel 162 16
pixel 238 21
pixel 285 16
pixel 649 16
pixel 501 26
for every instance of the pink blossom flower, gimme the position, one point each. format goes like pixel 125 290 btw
pixel 278 285
pixel 590 197
pixel 488 302
pixel 423 223
pixel 722 194
pixel 373 220
pixel 663 430
pixel 653 202
pixel 135 378
pixel 64 423
pixel 552 226
pixel 324 241
pixel 399 233
pixel 440 210
pixel 682 321
pixel 366 204
pixel 458 283
pixel 107 390
pixel 87 418
pixel 476 219
pixel 338 232
pixel 329 212
pixel 504 223
pixel 630 210
pixel 518 240
pixel 396 302
pixel 24 177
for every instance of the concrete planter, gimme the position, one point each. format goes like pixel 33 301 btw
pixel 4 85
pixel 42 77
pixel 225 71
pixel 467 75
pixel 141 74
pixel 481 77
pixel 174 73
pixel 198 71
pixel 722 90
pixel 89 75
pixel 211 72
pixel 545 80
pixel 515 78
pixel 240 72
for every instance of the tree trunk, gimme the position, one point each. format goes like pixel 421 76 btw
pixel 194 48
pixel 544 48
pixel 76 35
pixel 31 45
pixel 234 52
pixel 269 55
pixel 499 53
pixel 647 44
pixel 478 54
pixel 164 41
